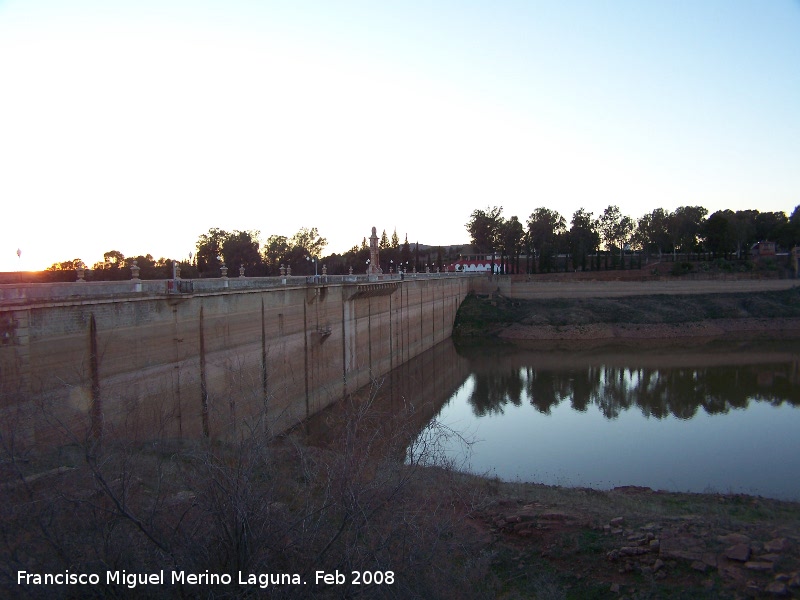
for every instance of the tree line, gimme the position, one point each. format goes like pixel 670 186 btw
pixel 544 236
pixel 588 242
pixel 300 254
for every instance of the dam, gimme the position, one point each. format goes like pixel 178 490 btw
pixel 206 357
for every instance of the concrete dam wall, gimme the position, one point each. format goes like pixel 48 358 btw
pixel 214 363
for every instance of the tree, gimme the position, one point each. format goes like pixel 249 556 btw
pixel 684 225
pixel 651 231
pixel 67 265
pixel 544 226
pixel 717 232
pixel 743 229
pixel 241 249
pixel 484 229
pixel 114 258
pixel 309 241
pixel 583 237
pixel 209 247
pixel 276 250
pixel 768 224
pixel 615 228
pixel 303 245
pixel 788 234
pixel 511 238
pixel 111 267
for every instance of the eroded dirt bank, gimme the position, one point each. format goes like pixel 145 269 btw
pixel 768 313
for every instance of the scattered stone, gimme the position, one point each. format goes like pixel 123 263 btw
pixel 710 559
pixel 639 541
pixel 777 545
pixel 685 548
pixel 613 555
pixel 617 521
pixel 731 572
pixel 773 558
pixel 633 551
pixel 556 516
pixel 753 588
pixel 734 538
pixel 755 565
pixel 740 552
pixel 614 589
pixel 655 545
pixel 777 588
pixel 699 565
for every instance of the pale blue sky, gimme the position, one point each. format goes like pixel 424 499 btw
pixel 137 126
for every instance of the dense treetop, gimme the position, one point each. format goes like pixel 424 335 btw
pixel 686 230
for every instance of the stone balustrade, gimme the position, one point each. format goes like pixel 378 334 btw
pixel 24 293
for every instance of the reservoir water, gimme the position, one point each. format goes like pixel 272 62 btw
pixel 700 417
pixel 687 416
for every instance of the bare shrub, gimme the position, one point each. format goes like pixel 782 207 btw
pixel 367 500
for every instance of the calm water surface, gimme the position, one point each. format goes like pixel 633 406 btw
pixel 722 417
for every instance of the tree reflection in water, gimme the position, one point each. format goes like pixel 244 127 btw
pixel 657 392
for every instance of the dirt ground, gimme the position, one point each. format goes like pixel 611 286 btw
pixel 631 310
pixel 551 542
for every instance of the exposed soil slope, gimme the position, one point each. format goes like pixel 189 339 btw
pixel 768 313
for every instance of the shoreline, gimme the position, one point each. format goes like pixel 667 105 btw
pixel 772 328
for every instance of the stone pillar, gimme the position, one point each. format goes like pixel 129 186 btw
pixel 135 271
pixel 224 270
pixel 283 271
pixel 177 266
pixel 241 270
pixel 324 270
pixel 374 267
pixel 80 272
